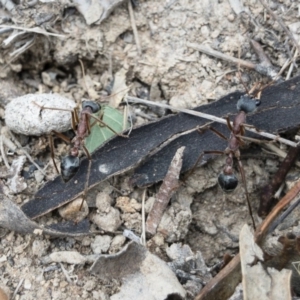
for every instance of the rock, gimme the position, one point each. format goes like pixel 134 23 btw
pixel 69 257
pixel 103 202
pixel 117 243
pixel 39 247
pixel 73 211
pixel 109 221
pixel 27 284
pixel 128 205
pixel 175 222
pixel 101 244
pixel 24 115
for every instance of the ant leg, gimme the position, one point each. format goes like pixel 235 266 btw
pixel 241 169
pixel 51 144
pixel 52 108
pixel 104 124
pixel 61 136
pixel 87 175
pixel 74 119
pixel 191 171
pixel 229 124
pixel 218 133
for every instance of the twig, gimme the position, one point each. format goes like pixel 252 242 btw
pixel 83 76
pixel 134 29
pixel 281 23
pixel 34 30
pixel 260 53
pixel 209 51
pixel 212 118
pixel 166 191
pixel 282 217
pixel 268 191
pixel 68 277
pixel 292 65
pixel 293 194
pixel 230 275
pixel 143 236
pixel 17 289
pixel 265 66
pixel 23 151
pixel 3 153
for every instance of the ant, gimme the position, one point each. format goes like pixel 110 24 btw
pixel 227 179
pixel 82 128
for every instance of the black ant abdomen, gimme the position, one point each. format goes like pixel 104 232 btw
pixel 228 183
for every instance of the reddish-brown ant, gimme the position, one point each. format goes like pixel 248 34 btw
pixel 227 179
pixel 81 126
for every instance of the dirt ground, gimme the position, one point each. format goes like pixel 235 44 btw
pixel 163 66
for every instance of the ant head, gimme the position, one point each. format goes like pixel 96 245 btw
pixel 247 104
pixel 69 166
pixel 228 183
pixel 92 104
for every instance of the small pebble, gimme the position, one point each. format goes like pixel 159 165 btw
pixel 101 244
pixel 63 284
pixel 86 241
pixel 109 221
pixel 90 285
pixel 231 17
pixel 39 176
pixel 69 257
pixel 27 284
pixel 73 212
pixel 128 205
pixel 103 202
pixel 117 243
pixel 39 248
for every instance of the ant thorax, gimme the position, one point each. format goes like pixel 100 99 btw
pixel 247 104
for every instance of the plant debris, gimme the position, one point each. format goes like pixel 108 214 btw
pixel 131 266
pixel 167 189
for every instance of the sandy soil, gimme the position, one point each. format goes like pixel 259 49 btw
pixel 168 68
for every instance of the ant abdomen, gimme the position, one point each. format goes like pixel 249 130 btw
pixel 95 107
pixel 247 104
pixel 228 183
pixel 69 166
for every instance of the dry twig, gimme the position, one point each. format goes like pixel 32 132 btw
pixel 134 29
pixel 212 118
pixel 166 191
pixel 281 23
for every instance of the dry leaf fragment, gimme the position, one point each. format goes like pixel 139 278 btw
pixel 119 89
pixel 166 191
pixel 96 10
pixel 16 183
pixel 259 283
pixel 143 275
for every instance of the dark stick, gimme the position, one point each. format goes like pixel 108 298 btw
pixel 267 193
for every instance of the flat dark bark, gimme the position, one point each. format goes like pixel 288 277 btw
pixel 278 113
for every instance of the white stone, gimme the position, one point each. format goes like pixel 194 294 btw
pixel 24 116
